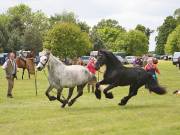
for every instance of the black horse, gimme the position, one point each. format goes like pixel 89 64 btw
pixel 118 75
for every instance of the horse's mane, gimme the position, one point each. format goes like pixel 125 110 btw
pixel 56 59
pixel 112 59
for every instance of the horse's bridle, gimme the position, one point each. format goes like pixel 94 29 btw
pixel 44 64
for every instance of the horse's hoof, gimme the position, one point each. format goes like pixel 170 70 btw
pixel 122 103
pixel 109 95
pixel 70 103
pixel 63 105
pixel 52 98
pixel 98 94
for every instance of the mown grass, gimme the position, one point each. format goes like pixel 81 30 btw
pixel 145 114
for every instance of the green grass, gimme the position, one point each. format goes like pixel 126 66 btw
pixel 145 114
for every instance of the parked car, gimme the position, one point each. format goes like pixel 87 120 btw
pixel 3 57
pixel 122 60
pixel 85 59
pixel 122 54
pixel 157 56
pixel 130 59
pixel 170 57
pixel 94 53
pixel 175 58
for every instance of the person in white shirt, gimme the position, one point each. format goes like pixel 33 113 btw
pixel 10 68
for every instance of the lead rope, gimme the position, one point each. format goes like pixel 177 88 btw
pixel 35 79
pixel 45 74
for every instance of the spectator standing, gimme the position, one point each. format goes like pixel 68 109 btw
pixel 10 68
pixel 90 67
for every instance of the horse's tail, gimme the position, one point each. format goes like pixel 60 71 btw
pixel 153 85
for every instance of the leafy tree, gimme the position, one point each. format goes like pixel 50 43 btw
pixel 4 20
pixel 145 30
pixel 136 43
pixel 32 39
pixel 40 22
pixel 67 40
pixel 15 41
pixel 97 42
pixel 24 29
pixel 108 23
pixel 68 17
pixel 177 12
pixel 65 16
pixel 84 27
pixel 21 11
pixel 173 41
pixel 164 30
pixel 11 32
pixel 106 33
pixel 15 23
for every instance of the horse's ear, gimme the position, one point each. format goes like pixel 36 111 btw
pixel 47 51
pixel 101 51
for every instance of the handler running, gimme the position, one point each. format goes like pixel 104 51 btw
pixel 90 67
pixel 151 67
pixel 11 69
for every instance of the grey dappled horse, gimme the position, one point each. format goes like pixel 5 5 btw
pixel 62 76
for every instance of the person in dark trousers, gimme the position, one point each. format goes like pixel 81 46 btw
pixel 10 69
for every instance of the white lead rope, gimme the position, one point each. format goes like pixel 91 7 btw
pixel 35 76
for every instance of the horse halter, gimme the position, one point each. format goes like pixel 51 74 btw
pixel 98 63
pixel 44 64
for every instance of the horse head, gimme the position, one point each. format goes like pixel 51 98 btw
pixel 101 59
pixel 44 58
pixel 107 58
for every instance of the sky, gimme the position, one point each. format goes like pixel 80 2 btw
pixel 128 13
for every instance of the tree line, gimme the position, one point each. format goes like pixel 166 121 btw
pixel 65 35
pixel 168 38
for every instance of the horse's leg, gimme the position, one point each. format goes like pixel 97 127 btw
pixel 23 73
pixel 68 97
pixel 51 98
pixel 97 91
pixel 109 94
pixel 132 92
pixel 70 93
pixel 59 91
pixel 80 93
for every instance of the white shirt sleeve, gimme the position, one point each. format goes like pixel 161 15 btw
pixel 4 65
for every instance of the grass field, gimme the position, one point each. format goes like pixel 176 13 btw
pixel 145 114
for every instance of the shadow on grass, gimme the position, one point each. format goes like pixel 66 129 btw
pixel 145 106
pixel 115 107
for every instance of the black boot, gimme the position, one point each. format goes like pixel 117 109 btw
pixel 9 96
